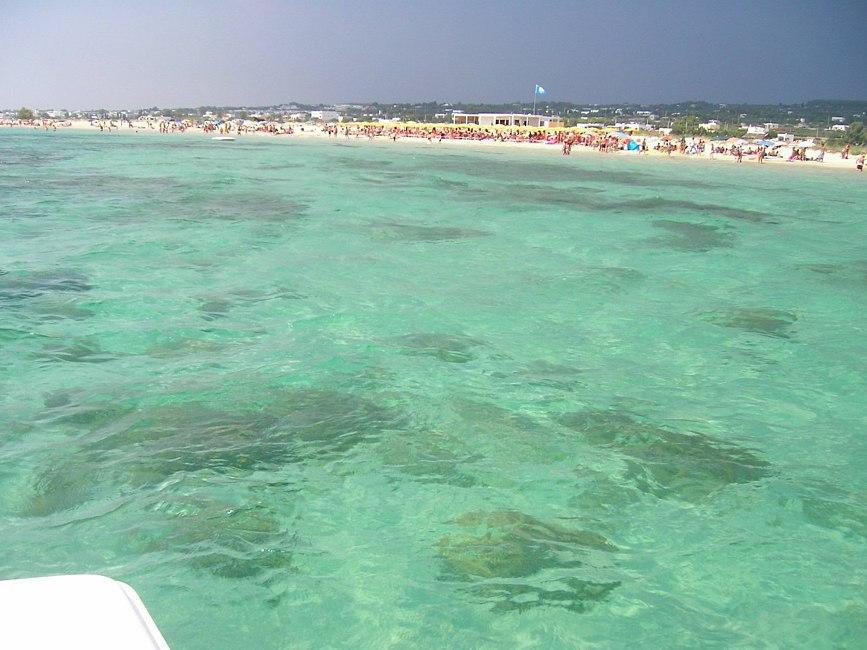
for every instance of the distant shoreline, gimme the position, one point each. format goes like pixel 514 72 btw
pixel 833 160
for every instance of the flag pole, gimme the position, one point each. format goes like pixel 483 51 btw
pixel 534 98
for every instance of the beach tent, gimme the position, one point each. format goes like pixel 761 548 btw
pixel 766 143
pixel 619 134
pixel 633 145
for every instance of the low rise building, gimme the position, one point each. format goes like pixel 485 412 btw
pixel 506 119
pixel 325 116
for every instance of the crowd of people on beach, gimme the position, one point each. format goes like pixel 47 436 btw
pixel 599 140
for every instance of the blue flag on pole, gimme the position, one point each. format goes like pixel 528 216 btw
pixel 539 90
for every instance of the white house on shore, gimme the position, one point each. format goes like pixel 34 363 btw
pixel 506 119
pixel 325 116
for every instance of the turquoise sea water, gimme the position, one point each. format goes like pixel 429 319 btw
pixel 319 394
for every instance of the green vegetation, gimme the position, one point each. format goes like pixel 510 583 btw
pixel 25 113
pixel 855 134
pixel 690 125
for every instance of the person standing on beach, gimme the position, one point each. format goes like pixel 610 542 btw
pixel 859 163
pixel 845 154
pixel 761 155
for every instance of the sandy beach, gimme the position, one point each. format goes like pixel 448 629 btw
pixel 832 160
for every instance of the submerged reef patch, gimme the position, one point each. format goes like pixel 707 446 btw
pixel 659 204
pixel 511 560
pixel 242 542
pixel 145 446
pixel 692 237
pixel 215 307
pixel 758 320
pixel 544 374
pixel 452 348
pixel 75 351
pixel 666 463
pixel 20 286
pixel 428 458
pixel 395 231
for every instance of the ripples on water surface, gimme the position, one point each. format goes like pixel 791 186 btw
pixel 317 395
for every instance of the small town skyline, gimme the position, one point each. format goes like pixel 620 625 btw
pixel 830 115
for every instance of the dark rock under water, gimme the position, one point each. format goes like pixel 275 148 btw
pixel 155 443
pixel 428 458
pixel 453 348
pixel 692 237
pixel 511 560
pixel 235 542
pixel 667 463
pixel 417 233
pixel 758 320
pixel 655 205
pixel 76 351
pixel 20 286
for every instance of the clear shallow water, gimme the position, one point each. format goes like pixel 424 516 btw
pixel 311 394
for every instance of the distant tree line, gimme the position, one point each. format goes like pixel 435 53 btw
pixel 690 125
pixel 855 134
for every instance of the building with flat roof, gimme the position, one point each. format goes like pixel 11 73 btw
pixel 506 119
pixel 325 116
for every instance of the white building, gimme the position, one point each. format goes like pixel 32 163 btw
pixel 756 130
pixel 505 119
pixel 710 125
pixel 839 127
pixel 630 126
pixel 325 116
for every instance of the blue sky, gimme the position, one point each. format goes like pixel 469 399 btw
pixel 120 54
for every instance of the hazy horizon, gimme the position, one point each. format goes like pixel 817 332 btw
pixel 248 105
pixel 119 55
